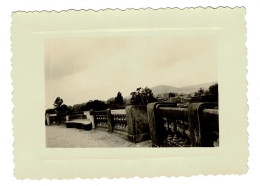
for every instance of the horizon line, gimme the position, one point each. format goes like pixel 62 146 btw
pixel 185 85
pixel 125 97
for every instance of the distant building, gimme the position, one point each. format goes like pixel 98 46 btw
pixel 165 96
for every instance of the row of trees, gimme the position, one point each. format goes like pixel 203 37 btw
pixel 142 96
pixel 115 103
pixel 211 92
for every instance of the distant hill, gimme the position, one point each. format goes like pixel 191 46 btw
pixel 161 89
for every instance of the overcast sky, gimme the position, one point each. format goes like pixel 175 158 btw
pixel 83 69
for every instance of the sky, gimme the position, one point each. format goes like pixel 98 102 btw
pixel 88 68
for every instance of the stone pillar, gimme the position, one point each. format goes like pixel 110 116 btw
pixel 109 120
pixel 92 118
pixel 67 117
pixel 48 119
pixel 153 124
pixel 137 123
pixel 130 124
pixel 87 114
pixel 196 123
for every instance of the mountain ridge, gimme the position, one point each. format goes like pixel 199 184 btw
pixel 162 89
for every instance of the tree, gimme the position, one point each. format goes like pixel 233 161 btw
pixel 76 108
pixel 200 92
pixel 57 103
pixel 116 102
pixel 63 109
pixel 119 99
pixel 142 96
pixel 60 108
pixel 70 109
pixel 111 101
pixel 213 90
pixel 209 95
pixel 172 95
pixel 96 105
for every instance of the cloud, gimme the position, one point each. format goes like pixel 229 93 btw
pixel 80 69
pixel 65 56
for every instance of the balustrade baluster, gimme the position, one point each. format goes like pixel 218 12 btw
pixel 176 136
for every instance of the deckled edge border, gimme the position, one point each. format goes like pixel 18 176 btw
pixel 126 9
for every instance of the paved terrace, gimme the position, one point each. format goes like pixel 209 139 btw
pixel 58 136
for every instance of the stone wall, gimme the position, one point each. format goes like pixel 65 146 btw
pixel 137 121
pixel 195 126
pixel 164 123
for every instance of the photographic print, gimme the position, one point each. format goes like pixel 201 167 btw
pixel 159 90
pixel 129 93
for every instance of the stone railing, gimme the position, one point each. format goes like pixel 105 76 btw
pixel 175 128
pixel 113 120
pixel 54 119
pixel 118 119
pixel 131 123
pixel 165 124
pixel 195 126
pixel 51 119
pixel 100 119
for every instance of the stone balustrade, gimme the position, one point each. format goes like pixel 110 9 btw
pixel 195 126
pixel 100 119
pixel 112 120
pixel 131 122
pixel 164 123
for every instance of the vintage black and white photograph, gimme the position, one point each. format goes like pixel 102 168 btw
pixel 132 91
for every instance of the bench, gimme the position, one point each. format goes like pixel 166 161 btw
pixel 79 124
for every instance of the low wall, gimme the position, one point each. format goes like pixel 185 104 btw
pixel 87 114
pixel 195 126
pixel 54 119
pixel 137 121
